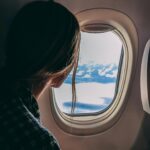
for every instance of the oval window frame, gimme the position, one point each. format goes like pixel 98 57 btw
pixel 127 31
pixel 144 80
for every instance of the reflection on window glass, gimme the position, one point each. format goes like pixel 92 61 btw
pixel 97 73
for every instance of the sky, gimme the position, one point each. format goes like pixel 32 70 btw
pixel 100 48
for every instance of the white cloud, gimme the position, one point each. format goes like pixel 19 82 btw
pixel 80 73
pixel 103 72
pixel 87 93
pixel 87 76
pixel 113 75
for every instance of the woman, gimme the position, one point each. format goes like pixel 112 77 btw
pixel 41 49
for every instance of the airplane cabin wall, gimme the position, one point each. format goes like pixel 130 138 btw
pixel 129 131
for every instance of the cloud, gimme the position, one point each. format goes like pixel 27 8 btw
pixel 113 75
pixel 104 71
pixel 80 72
pixel 87 76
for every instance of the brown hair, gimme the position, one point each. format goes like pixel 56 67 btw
pixel 43 40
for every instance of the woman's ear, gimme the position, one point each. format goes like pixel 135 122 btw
pixel 58 78
pixel 57 81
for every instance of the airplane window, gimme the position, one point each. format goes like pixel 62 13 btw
pixel 97 77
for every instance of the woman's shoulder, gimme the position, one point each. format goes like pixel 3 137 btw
pixel 21 130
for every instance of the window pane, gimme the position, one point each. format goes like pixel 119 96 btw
pixel 97 74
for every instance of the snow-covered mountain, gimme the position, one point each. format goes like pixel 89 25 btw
pixel 95 73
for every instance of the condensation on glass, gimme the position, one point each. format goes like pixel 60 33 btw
pixel 97 76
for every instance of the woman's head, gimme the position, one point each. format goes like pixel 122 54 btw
pixel 42 43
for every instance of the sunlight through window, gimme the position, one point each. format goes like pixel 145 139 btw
pixel 97 75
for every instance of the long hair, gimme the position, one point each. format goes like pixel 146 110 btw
pixel 43 40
